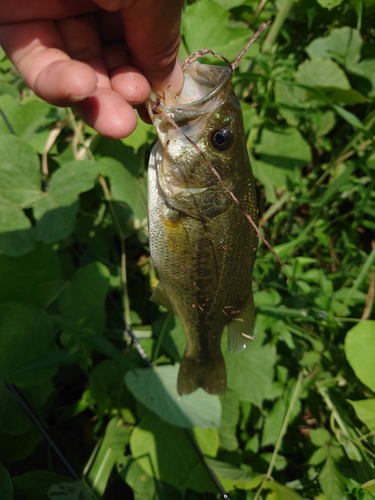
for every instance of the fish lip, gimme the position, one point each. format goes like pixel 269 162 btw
pixel 188 111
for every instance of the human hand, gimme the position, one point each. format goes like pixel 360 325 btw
pixel 96 55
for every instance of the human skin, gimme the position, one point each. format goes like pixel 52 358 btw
pixel 99 56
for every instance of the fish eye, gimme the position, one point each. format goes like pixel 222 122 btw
pixel 222 139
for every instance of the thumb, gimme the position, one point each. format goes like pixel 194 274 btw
pixel 152 32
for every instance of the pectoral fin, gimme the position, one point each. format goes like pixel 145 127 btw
pixel 160 297
pixel 241 328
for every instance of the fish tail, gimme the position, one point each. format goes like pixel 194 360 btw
pixel 209 374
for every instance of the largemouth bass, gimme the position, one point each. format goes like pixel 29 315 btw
pixel 201 241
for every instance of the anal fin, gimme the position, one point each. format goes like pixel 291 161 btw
pixel 241 327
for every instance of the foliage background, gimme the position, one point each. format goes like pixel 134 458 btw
pixel 298 419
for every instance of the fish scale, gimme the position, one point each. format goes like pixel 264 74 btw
pixel 201 242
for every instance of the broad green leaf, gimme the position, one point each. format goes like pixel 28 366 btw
pixel 281 492
pixel 322 73
pixel 365 411
pixel 34 278
pixel 274 422
pixel 342 44
pixel 35 485
pixel 329 4
pixel 360 351
pixel 283 153
pixel 75 490
pixel 20 176
pixel 13 418
pixel 213 32
pixel 157 390
pixel 26 335
pixel 56 210
pixel 82 301
pixel 140 136
pixel 15 447
pixel 117 436
pixel 6 485
pixel 232 477
pixel 30 120
pixel 106 386
pixel 250 372
pixel 319 437
pixel 331 480
pixel 170 329
pixel 369 486
pixel 229 419
pixel 17 236
pixel 146 487
pixel 127 192
pixel 165 452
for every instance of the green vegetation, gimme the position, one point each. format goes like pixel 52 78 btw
pixel 298 419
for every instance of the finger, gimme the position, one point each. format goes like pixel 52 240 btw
pixel 37 51
pixel 18 11
pixel 106 111
pixel 152 31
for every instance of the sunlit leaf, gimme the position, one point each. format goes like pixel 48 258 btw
pixel 360 351
pixel 157 390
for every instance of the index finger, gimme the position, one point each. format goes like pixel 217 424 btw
pixel 152 31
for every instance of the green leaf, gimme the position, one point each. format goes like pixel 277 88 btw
pixel 369 486
pixel 331 480
pixel 157 390
pixel 165 452
pixel 27 334
pixel 17 236
pixel 209 16
pixel 35 278
pixel 6 485
pixel 255 363
pixel 319 437
pixel 56 210
pixel 322 73
pixel 170 328
pixel 146 487
pixel 20 176
pixel 281 492
pixel 140 136
pixel 283 152
pixel 360 351
pixel 365 411
pixel 128 194
pixel 30 120
pixel 330 4
pixel 232 477
pixel 35 485
pixel 106 386
pixel 75 490
pixel 82 301
pixel 342 44
pixel 274 422
pixel 229 419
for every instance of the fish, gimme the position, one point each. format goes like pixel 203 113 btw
pixel 201 197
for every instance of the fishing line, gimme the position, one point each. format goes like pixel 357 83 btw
pixel 145 360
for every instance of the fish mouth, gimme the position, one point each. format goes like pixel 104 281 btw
pixel 203 85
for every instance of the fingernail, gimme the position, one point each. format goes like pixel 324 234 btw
pixel 78 98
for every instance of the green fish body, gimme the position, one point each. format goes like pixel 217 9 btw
pixel 201 241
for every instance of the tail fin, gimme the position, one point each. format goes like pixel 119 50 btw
pixel 209 374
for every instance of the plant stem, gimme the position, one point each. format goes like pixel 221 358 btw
pixel 277 24
pixel 283 429
pixel 124 281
